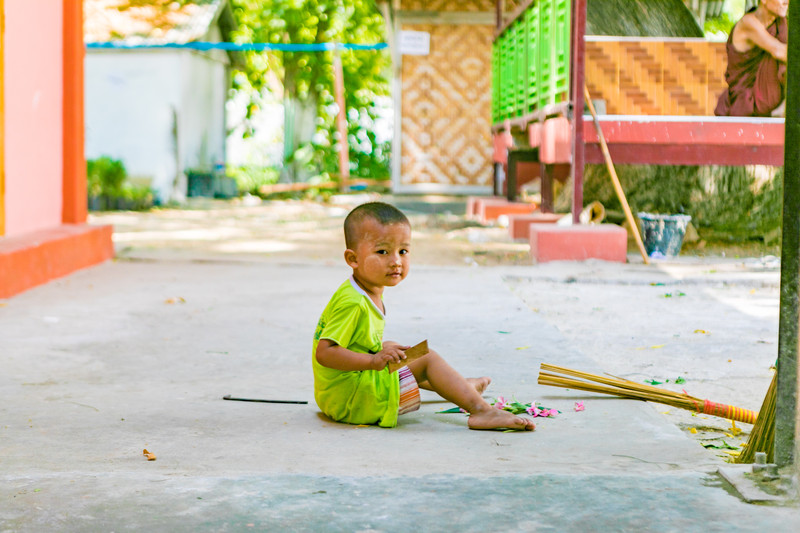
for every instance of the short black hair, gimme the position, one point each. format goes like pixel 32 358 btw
pixel 383 213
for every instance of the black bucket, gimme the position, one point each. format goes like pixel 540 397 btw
pixel 663 234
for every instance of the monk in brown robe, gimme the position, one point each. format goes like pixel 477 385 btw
pixel 756 73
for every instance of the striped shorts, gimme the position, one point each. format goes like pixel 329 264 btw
pixel 409 392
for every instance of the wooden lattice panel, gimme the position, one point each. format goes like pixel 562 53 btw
pixel 717 63
pixel 685 77
pixel 446 99
pixel 651 77
pixel 447 5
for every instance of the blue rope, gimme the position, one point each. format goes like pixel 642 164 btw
pixel 246 47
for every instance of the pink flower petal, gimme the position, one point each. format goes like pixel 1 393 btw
pixel 579 406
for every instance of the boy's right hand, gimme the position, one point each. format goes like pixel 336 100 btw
pixel 393 353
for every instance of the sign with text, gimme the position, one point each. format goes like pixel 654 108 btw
pixel 415 43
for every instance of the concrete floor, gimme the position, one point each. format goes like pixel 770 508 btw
pixel 138 353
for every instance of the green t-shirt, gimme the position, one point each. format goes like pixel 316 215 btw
pixel 352 320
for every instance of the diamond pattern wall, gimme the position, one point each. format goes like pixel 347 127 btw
pixel 656 77
pixel 446 105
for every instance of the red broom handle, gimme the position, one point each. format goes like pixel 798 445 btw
pixel 730 412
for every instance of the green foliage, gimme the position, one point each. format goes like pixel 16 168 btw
pixel 368 157
pixel 666 18
pixel 249 179
pixel 308 76
pixel 105 176
pixel 108 186
pixel 652 189
pixel 134 198
pixel 767 211
pixel 727 202
pixel 719 27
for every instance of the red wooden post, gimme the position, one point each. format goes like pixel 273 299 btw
pixel 577 78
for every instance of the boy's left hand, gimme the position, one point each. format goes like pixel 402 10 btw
pixel 391 353
pixel 410 354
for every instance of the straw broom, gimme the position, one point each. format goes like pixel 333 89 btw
pixel 549 375
pixel 762 438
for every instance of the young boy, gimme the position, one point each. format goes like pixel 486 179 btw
pixel 352 382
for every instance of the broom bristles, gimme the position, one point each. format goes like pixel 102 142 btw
pixel 557 381
pixel 630 389
pixel 762 437
pixel 617 382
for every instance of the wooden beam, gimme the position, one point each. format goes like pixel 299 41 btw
pixel 521 123
pixel 510 19
pixel 686 154
pixel 652 140
pixel 340 184
pixel 726 131
pixel 480 18
pixel 499 9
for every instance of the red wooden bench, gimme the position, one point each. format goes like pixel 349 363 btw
pixel 679 140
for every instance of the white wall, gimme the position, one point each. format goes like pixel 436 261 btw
pixel 202 118
pixel 138 101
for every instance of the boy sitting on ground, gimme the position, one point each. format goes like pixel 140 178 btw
pixel 352 381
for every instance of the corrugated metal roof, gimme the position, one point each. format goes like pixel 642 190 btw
pixel 148 21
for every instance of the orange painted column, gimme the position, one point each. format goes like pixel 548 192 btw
pixel 74 184
pixel 2 120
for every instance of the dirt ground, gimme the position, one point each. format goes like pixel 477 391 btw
pixel 706 324
pixel 295 230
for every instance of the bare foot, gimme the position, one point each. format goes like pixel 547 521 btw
pixel 480 384
pixel 498 419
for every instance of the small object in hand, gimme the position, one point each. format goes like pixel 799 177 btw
pixel 150 456
pixel 412 354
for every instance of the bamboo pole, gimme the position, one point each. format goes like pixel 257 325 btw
pixel 615 179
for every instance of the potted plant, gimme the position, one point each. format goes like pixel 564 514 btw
pixel 105 179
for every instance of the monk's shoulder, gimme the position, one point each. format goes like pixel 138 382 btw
pixel 743 32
